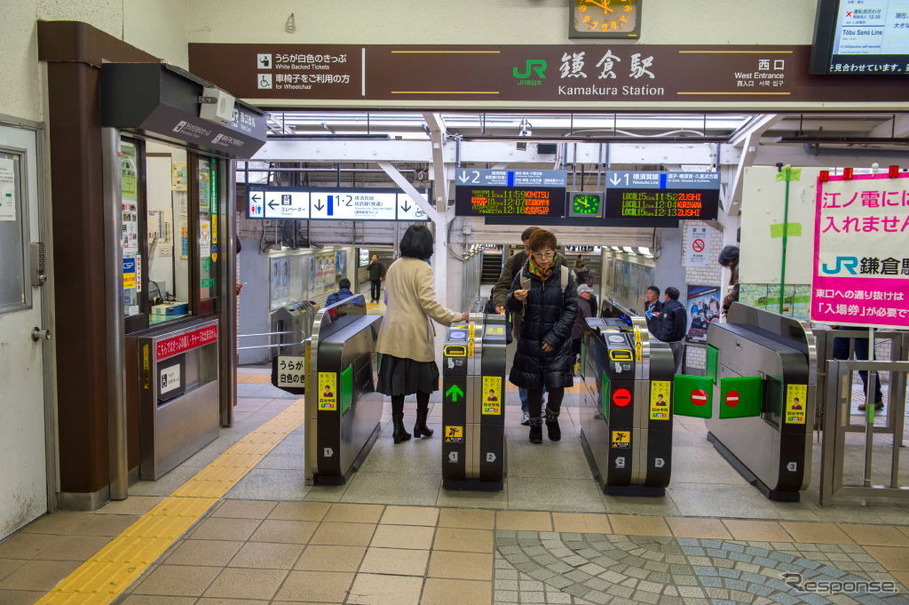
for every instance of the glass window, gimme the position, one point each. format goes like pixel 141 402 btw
pixel 14 292
pixel 167 232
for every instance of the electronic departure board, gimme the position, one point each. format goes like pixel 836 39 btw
pixel 528 201
pixel 678 195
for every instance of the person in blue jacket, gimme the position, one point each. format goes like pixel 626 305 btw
pixel 342 293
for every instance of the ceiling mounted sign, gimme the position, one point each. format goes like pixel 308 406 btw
pixel 748 75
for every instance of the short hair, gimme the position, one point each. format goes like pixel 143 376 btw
pixel 654 289
pixel 672 293
pixel 540 239
pixel 344 284
pixel 417 242
pixel 528 232
pixel 729 256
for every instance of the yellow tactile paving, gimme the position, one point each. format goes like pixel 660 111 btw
pixel 254 377
pixel 101 579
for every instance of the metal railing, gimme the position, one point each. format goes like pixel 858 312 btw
pixel 273 345
pixel 837 444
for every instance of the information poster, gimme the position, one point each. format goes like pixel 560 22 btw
pixel 7 189
pixel 703 306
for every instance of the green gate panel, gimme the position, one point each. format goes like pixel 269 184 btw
pixel 346 389
pixel 693 396
pixel 605 394
pixel 713 360
pixel 741 396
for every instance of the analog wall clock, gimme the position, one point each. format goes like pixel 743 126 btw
pixel 604 18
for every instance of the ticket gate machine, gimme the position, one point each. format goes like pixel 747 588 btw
pixel 625 416
pixel 342 408
pixel 473 404
pixel 761 375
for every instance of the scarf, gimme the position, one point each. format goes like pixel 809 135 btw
pixel 535 269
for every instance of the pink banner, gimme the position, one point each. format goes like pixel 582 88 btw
pixel 861 261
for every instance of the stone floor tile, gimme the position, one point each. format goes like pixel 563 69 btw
pixel 299 511
pixel 464 540
pixel 374 589
pixel 178 581
pixel 216 553
pixel 438 591
pixel 581 523
pixel 639 525
pixel 395 561
pixel 403 536
pixel 328 587
pixel 462 566
pixel 689 527
pixel 354 513
pixel 817 533
pixel 267 555
pixel 766 531
pixel 246 584
pixel 343 534
pixel 467 518
pixel 322 557
pixel 410 515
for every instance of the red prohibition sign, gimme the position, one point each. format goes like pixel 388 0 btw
pixel 621 397
pixel 697 245
pixel 732 398
pixel 699 397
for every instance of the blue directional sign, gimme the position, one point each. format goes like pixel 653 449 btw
pixel 510 178
pixel 649 194
pixel 302 203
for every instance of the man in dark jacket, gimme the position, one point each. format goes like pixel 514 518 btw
pixel 376 272
pixel 342 293
pixel 500 292
pixel 652 309
pixel 673 322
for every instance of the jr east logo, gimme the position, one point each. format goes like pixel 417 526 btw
pixel 842 265
pixel 531 74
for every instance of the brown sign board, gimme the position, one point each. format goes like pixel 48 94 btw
pixel 640 73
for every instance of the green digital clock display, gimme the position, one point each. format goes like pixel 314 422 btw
pixel 586 205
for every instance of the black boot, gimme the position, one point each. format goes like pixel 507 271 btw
pixel 397 419
pixel 420 429
pixel 552 425
pixel 400 433
pixel 536 430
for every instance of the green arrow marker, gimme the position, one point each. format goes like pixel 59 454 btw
pixel 454 391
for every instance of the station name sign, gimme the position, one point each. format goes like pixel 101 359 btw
pixel 295 203
pixel 748 76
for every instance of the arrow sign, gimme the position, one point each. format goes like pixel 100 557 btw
pixel 615 179
pixel 698 397
pixel 319 205
pixel 272 204
pixel 732 398
pixel 406 207
pixel 463 176
pixel 454 392
pixel 256 198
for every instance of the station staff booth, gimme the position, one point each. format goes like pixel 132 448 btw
pixel 167 141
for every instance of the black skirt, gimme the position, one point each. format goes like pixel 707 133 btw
pixel 399 376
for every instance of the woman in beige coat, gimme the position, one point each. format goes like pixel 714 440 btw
pixel 406 336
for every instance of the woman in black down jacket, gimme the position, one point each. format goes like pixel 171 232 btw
pixel 543 358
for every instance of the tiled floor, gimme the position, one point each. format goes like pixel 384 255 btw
pixel 393 535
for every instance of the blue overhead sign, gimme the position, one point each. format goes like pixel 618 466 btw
pixel 340 204
pixel 465 177
pixel 627 179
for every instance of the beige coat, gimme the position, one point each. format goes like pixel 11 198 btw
pixel 407 331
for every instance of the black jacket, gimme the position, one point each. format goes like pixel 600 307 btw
pixel 549 315
pixel 375 270
pixel 509 270
pixel 653 322
pixel 673 321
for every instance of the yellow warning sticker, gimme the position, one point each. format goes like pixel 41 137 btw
pixel 621 439
pixel 496 330
pixel 470 347
pixel 471 330
pixel 659 399
pixel 454 434
pixel 796 402
pixel 492 396
pixel 328 391
pixel 455 351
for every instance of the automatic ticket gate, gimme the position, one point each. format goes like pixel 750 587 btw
pixel 761 374
pixel 473 404
pixel 342 408
pixel 625 416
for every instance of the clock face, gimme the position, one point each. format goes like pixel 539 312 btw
pixel 586 204
pixel 604 18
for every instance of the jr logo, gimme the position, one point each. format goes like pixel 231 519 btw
pixel 843 263
pixel 531 66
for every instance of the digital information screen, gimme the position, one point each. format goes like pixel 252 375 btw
pixel 514 201
pixel 677 195
pixel 861 37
